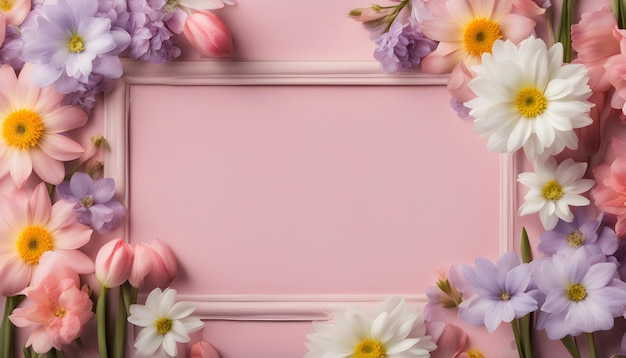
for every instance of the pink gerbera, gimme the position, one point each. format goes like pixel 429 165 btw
pixel 57 309
pixel 31 226
pixel 32 121
pixel 466 29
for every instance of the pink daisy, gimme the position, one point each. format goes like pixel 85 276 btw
pixel 32 121
pixel 31 226
pixel 466 29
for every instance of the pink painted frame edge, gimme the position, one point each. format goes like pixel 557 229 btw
pixel 271 73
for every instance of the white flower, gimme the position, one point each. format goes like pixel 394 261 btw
pixel 527 98
pixel 553 189
pixel 381 333
pixel 165 323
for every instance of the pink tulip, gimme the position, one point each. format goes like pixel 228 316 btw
pixel 164 266
pixel 203 349
pixel 143 258
pixel 113 263
pixel 207 33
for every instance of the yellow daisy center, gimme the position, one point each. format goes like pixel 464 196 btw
pixel 61 312
pixel 32 242
pixel 22 128
pixel 76 44
pixel 576 292
pixel 163 325
pixel 530 102
pixel 479 36
pixel 370 348
pixel 505 296
pixel 552 190
pixel 576 238
pixel 474 353
pixel 86 201
pixel 6 5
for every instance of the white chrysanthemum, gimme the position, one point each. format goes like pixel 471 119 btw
pixel 553 189
pixel 527 97
pixel 383 333
pixel 165 323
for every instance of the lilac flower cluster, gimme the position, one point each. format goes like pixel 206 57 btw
pixel 402 47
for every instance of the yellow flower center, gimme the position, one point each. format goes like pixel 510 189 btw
pixel 475 353
pixel 76 44
pixel 530 102
pixel 479 36
pixel 553 190
pixel 60 312
pixel 6 5
pixel 576 292
pixel 22 128
pixel 370 348
pixel 86 201
pixel 163 325
pixel 576 238
pixel 32 242
pixel 505 296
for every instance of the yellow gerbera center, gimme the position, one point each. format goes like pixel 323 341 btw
pixel 505 296
pixel 552 190
pixel 576 238
pixel 530 102
pixel 479 36
pixel 475 353
pixel 32 242
pixel 163 325
pixel 370 348
pixel 576 292
pixel 22 129
pixel 76 43
pixel 61 312
pixel 6 5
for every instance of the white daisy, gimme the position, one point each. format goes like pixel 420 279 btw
pixel 383 333
pixel 165 323
pixel 527 97
pixel 553 189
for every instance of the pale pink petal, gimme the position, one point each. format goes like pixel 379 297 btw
pixel 76 260
pixel 26 90
pixel 64 119
pixel 529 7
pixel 516 27
pixel 442 30
pixel 40 341
pixel 143 256
pixel 438 63
pixel 72 237
pixel 49 100
pixel 40 205
pixel 9 82
pixel 15 274
pixel 18 12
pixel 16 218
pixel 62 215
pixel 48 169
pixel 21 167
pixel 460 10
pixel 60 147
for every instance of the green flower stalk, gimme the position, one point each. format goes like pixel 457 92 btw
pixel 565 35
pixel 7 330
pixel 101 321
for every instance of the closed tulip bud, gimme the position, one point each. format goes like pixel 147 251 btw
pixel 203 349
pixel 164 266
pixel 113 263
pixel 207 33
pixel 143 257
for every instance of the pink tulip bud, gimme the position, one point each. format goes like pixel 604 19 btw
pixel 113 263
pixel 207 33
pixel 143 257
pixel 164 266
pixel 203 349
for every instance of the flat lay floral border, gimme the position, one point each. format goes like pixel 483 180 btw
pixel 56 58
pixel 557 98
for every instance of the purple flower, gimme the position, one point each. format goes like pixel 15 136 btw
pixel 448 294
pixel 586 230
pixel 501 292
pixel 11 48
pixel 403 46
pixel 581 294
pixel 94 204
pixel 151 39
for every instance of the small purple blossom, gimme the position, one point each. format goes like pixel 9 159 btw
pixel 460 109
pixel 94 202
pixel 586 230
pixel 11 48
pixel 501 292
pixel 448 293
pixel 402 47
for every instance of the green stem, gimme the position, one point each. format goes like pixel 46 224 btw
pixel 592 345
pixel 570 344
pixel 516 334
pixel 392 16
pixel 527 254
pixel 26 352
pixel 60 354
pixel 101 321
pixel 564 35
pixel 120 324
pixel 7 330
pixel 622 23
pixel 525 330
pixel 134 292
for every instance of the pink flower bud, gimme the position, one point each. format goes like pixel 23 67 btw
pixel 164 266
pixel 203 349
pixel 113 263
pixel 207 33
pixel 369 14
pixel 143 257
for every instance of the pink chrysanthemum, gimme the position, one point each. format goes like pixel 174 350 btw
pixel 31 226
pixel 466 29
pixel 32 121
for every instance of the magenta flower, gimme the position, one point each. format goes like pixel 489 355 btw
pixel 94 201
pixel 501 292
pixel 57 309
